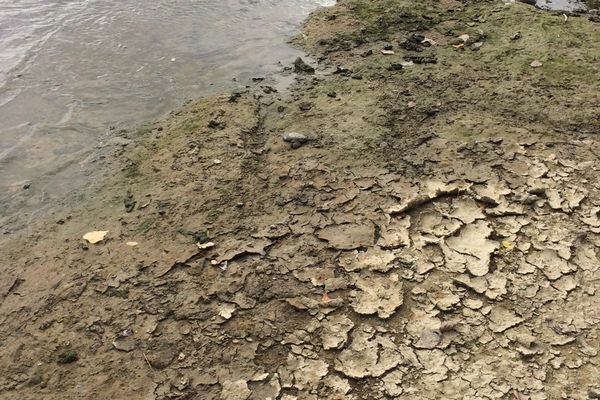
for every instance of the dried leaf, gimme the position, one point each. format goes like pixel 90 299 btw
pixel 95 236
pixel 507 245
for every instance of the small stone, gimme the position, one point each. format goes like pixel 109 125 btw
pixel 294 137
pixel 476 46
pixel 305 106
pixel 226 310
pixel 536 64
pixel 124 344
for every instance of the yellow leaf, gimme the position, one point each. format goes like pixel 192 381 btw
pixel 508 245
pixel 95 237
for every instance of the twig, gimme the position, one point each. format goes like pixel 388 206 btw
pixel 146 358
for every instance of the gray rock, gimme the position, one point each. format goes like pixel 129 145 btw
pixel 295 139
pixel 124 344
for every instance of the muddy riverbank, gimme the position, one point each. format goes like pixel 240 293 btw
pixel 73 73
pixel 432 231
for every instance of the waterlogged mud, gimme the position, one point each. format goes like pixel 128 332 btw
pixel 430 230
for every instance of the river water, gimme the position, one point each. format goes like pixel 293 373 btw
pixel 70 70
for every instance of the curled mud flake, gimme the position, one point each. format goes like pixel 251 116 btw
pixel 313 305
pixel 434 223
pixel 392 383
pixel 335 331
pixel 267 390
pixel 496 286
pixel 444 300
pixel 537 169
pixel 272 232
pixel 504 210
pixel 395 234
pixel 243 301
pixel 317 276
pixel 369 355
pixel 525 344
pixel 377 294
pixel 297 337
pixel 337 388
pixel 236 248
pixel 204 379
pixel 425 329
pixel 348 236
pixel 492 193
pixel 433 362
pixel 478 284
pixel 586 257
pixel 429 339
pixel 554 199
pixel 525 268
pixel 592 219
pixel 473 304
pixel 430 191
pixel 341 199
pixel 566 283
pixel 235 390
pixel 466 210
pixel 502 319
pixel 374 259
pixel 550 263
pixel 472 248
pixel 573 197
pixel 307 373
pixel 423 268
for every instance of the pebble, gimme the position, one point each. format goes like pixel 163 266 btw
pixel 295 137
pixel 124 344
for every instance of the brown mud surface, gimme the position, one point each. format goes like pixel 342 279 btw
pixel 437 236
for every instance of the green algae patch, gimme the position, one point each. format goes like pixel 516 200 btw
pixel 518 67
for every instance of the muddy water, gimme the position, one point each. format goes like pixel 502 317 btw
pixel 73 71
